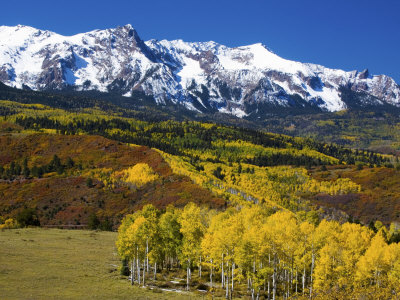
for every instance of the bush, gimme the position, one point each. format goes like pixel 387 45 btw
pixel 28 217
pixel 93 222
pixel 89 182
pixel 9 224
pixel 124 268
pixel 106 225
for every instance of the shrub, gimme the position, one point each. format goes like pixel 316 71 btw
pixel 28 217
pixel 89 182
pixel 93 222
pixel 124 268
pixel 9 224
pixel 106 225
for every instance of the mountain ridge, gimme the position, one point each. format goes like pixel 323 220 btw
pixel 246 81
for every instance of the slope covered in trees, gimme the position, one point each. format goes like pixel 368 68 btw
pixel 235 164
pixel 69 179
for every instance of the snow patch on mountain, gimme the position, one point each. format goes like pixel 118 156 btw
pixel 216 77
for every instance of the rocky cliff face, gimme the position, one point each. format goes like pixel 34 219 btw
pixel 243 81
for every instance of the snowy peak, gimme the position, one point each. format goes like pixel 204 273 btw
pixel 244 81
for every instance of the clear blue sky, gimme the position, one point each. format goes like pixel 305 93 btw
pixel 346 34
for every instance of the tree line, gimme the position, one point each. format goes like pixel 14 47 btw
pixel 178 137
pixel 17 170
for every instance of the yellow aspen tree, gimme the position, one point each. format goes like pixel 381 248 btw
pixel 192 228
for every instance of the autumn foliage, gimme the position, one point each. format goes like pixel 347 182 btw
pixel 258 252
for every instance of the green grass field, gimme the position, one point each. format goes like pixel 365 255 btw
pixel 66 264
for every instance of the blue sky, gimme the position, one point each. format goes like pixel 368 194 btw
pixel 345 34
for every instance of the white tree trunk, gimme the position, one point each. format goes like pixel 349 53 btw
pixel 144 271
pixel 188 275
pixel 311 275
pixel 200 268
pixel 222 272
pixel 233 276
pixel 227 282
pixel 138 265
pixel 155 271
pixel 274 280
pixel 211 274
pixel 132 271
pixel 147 254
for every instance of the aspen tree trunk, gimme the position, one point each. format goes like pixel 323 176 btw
pixel 222 272
pixel 155 271
pixel 233 276
pixel 147 255
pixel 296 282
pixel 187 278
pixel 134 268
pixel 200 268
pixel 211 274
pixel 227 281
pixel 311 275
pixel 288 284
pixel 188 275
pixel 291 275
pixel 138 270
pixel 138 265
pixel 304 280
pixel 269 265
pixel 144 271
pixel 274 280
pixel 284 284
pixel 132 271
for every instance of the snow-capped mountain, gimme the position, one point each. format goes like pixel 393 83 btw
pixel 201 76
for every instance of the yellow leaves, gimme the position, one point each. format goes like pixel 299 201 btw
pixel 339 254
pixel 338 187
pixel 372 264
pixel 9 224
pixel 271 185
pixel 339 257
pixel 138 175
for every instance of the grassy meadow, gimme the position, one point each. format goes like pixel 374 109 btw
pixel 66 264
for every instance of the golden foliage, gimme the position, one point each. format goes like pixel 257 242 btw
pixel 138 175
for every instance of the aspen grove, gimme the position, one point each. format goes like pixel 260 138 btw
pixel 259 252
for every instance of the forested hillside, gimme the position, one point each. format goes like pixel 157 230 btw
pixel 234 164
pixel 78 180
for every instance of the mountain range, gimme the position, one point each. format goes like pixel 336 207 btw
pixel 248 81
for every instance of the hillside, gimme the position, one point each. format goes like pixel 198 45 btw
pixel 66 198
pixel 378 198
pixel 207 163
